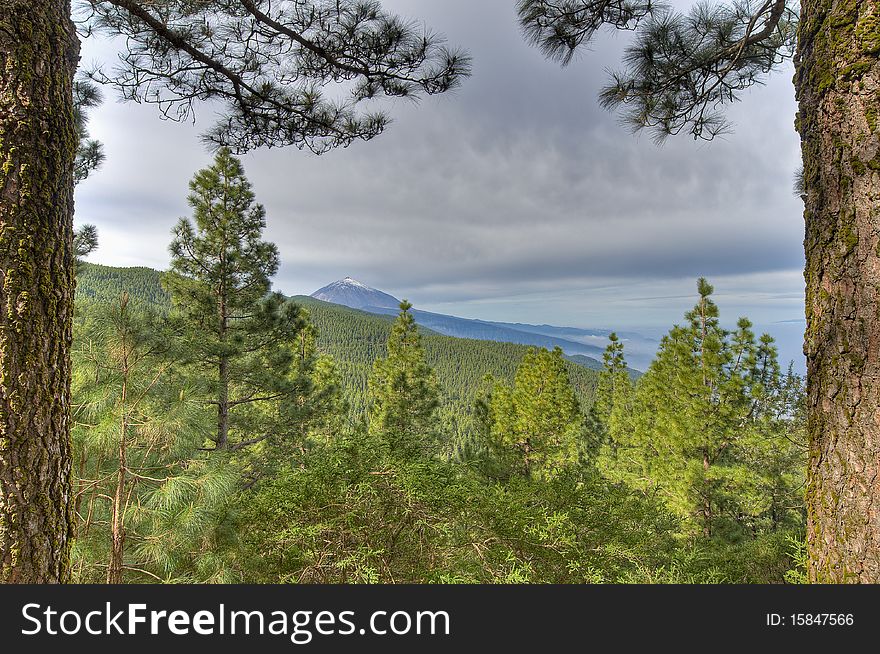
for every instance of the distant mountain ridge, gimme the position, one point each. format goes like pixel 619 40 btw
pixel 103 284
pixel 487 331
pixel 588 345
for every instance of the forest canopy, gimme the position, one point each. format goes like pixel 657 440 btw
pixel 267 439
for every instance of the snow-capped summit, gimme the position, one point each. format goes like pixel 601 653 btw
pixel 351 281
pixel 357 295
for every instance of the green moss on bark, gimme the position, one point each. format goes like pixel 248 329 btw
pixel 868 32
pixel 838 113
pixel 38 48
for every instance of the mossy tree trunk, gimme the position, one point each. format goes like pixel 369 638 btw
pixel 837 84
pixel 39 51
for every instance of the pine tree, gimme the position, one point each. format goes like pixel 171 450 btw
pixel 134 431
pixel 614 393
pixel 702 419
pixel 537 425
pixel 239 336
pixel 680 71
pixel 266 92
pixel 90 153
pixel 85 241
pixel 403 392
pixel 611 378
pixel 89 157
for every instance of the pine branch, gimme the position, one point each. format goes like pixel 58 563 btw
pixel 269 63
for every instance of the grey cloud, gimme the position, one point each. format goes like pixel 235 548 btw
pixel 514 198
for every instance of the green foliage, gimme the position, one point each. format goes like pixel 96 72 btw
pixel 350 513
pixel 235 335
pixel 403 392
pixel 346 512
pixel 317 496
pixel 681 68
pixel 713 427
pixel 184 524
pixel 535 428
pixel 136 430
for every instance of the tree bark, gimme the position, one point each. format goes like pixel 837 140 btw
pixel 223 405
pixel 39 51
pixel 117 529
pixel 706 509
pixel 837 84
pixel 223 375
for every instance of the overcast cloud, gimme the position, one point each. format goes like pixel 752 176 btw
pixel 514 198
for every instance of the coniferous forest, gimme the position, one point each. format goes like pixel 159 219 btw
pixel 197 424
pixel 223 433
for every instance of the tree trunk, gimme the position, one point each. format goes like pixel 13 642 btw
pixel 706 509
pixel 117 528
pixel 223 378
pixel 80 491
pixel 837 84
pixel 39 51
pixel 223 371
pixel 117 532
pixel 223 406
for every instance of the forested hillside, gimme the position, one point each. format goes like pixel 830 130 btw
pixel 355 339
pixel 758 513
pixel 104 284
pixel 222 432
pixel 357 295
pixel 397 455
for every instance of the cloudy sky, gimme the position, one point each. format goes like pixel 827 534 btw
pixel 514 198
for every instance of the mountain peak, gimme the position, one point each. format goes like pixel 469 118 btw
pixel 355 294
pixel 351 281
